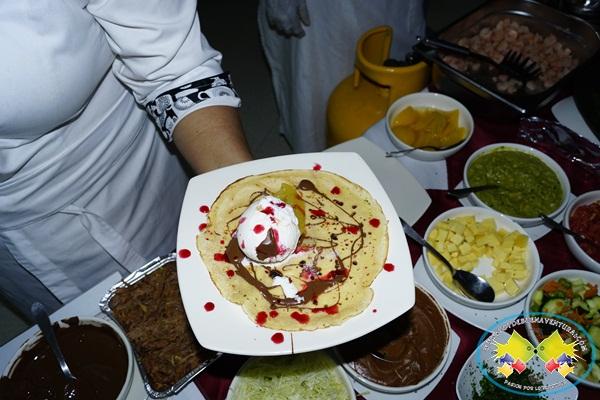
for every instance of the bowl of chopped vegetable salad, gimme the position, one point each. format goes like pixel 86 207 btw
pixel 573 296
pixel 306 376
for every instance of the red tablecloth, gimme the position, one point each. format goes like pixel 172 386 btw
pixel 554 254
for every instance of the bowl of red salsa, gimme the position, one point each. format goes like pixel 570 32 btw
pixel 583 216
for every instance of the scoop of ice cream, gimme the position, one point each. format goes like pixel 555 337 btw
pixel 268 230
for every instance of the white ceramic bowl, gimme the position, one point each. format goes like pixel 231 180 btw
pixel 30 343
pixel 562 177
pixel 485 268
pixel 406 389
pixel 580 255
pixel 238 380
pixel 430 100
pixel 570 274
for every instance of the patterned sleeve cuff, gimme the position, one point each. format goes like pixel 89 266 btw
pixel 172 105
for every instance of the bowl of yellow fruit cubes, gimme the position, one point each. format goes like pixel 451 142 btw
pixel 488 244
pixel 428 126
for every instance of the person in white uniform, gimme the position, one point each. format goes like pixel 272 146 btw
pixel 310 46
pixel 88 185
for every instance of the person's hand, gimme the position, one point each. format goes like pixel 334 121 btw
pixel 287 16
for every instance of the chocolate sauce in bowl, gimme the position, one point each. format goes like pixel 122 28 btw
pixel 95 355
pixel 403 352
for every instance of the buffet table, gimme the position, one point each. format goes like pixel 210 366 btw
pixel 427 197
pixel 436 178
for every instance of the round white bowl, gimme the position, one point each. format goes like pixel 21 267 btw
pixel 339 370
pixel 560 173
pixel 430 100
pixel 580 255
pixel 406 389
pixel 567 273
pixel 503 300
pixel 31 342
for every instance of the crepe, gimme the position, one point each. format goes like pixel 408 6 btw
pixel 341 251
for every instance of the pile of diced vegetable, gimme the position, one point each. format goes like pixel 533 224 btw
pixel 578 301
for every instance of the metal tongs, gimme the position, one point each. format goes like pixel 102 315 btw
pixel 513 63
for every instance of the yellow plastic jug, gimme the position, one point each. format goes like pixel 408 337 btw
pixel 362 99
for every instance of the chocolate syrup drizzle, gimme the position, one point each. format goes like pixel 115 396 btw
pixel 314 287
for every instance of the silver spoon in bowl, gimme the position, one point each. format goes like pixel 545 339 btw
pixel 462 192
pixel 40 315
pixel 560 227
pixel 472 285
pixel 399 153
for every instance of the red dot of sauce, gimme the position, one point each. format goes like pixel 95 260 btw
pixel 184 253
pixel 277 338
pixel 230 273
pixel 317 213
pixel 389 267
pixel 220 257
pixel 242 220
pixel 273 313
pixel 209 306
pixel 317 167
pixel 374 222
pixel 222 241
pixel 204 209
pixel 328 310
pixel 202 227
pixel 261 318
pixel 258 228
pixel 268 211
pixel 374 310
pixel 302 318
pixel 336 190
pixel 352 229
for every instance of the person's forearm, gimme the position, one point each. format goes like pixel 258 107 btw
pixel 211 138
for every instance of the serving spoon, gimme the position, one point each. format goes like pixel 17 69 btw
pixel 41 318
pixel 560 227
pixel 473 285
pixel 462 192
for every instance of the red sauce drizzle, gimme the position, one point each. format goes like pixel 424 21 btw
pixel 261 318
pixel 318 213
pixel 202 227
pixel 258 228
pixel 389 267
pixel 204 209
pixel 242 220
pixel 336 190
pixel 184 253
pixel 329 310
pixel 277 338
pixel 281 205
pixel 273 313
pixel 268 211
pixel 302 318
pixel 374 222
pixel 220 257
pixel 209 306
pixel 317 167
pixel 230 273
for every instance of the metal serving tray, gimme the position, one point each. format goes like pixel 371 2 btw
pixel 130 280
pixel 573 32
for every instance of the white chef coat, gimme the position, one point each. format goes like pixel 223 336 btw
pixel 87 185
pixel 306 70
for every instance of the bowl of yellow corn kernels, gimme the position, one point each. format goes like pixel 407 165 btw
pixel 488 244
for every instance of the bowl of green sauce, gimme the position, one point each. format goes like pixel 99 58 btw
pixel 529 182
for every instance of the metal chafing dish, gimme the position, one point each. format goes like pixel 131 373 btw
pixel 578 35
pixel 105 305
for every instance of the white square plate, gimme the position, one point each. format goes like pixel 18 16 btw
pixel 227 328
